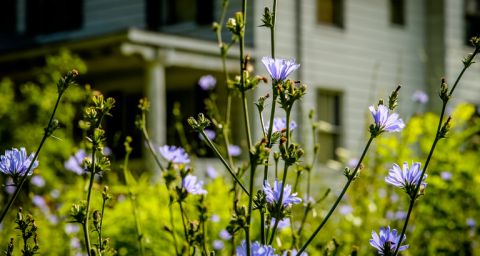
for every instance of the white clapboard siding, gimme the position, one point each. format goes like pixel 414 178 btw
pixel 456 49
pixel 344 59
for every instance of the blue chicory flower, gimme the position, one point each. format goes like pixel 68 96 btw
pixel 385 121
pixel 386 241
pixel 37 181
pixel 398 215
pixel 218 245
pixel 190 184
pixel 279 69
pixel 215 218
pixel 234 150
pixel 283 223
pixel 176 155
pixel 207 82
pixel 211 172
pixel 71 228
pixel 446 176
pixel 406 178
pixel 40 202
pixel 273 195
pixel 345 209
pixel 15 163
pixel 225 235
pixel 280 125
pixel 211 135
pixel 471 223
pixel 75 162
pixel 256 249
pixel 420 97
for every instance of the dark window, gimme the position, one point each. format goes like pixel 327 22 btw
pixel 472 19
pixel 8 16
pixel 122 124
pixel 186 102
pixel 330 12
pixel 172 12
pixel 397 12
pixel 329 116
pixel 50 16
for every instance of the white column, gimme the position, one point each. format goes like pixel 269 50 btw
pixel 157 95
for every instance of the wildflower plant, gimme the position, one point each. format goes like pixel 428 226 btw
pixel 63 84
pixel 406 178
pixel 387 241
pixel 15 163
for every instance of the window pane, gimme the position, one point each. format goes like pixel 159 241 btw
pixel 472 19
pixel 50 16
pixel 179 12
pixel 329 117
pixel 330 12
pixel 397 12
pixel 8 16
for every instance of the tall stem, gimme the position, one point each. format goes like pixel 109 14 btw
pixel 149 143
pixel 172 223
pixel 89 195
pixel 284 178
pixel 134 205
pixel 24 178
pixel 437 138
pixel 215 150
pixel 185 232
pixel 279 204
pixel 247 123
pixel 274 98
pixel 100 238
pixel 339 198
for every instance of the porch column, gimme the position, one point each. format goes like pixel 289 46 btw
pixel 155 90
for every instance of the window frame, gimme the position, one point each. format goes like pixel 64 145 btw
pixel 42 17
pixel 325 127
pixel 398 18
pixel 337 13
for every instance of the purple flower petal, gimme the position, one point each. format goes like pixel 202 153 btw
pixel 174 154
pixel 279 69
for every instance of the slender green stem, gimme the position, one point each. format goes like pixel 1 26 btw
pixel 427 161
pixel 477 49
pixel 250 200
pixel 204 244
pixel 262 227
pixel 133 200
pixel 270 129
pixel 182 212
pixel 149 143
pixel 270 125
pixel 272 29
pixel 172 223
pixel 100 239
pixel 215 150
pixel 89 195
pixel 279 204
pixel 274 98
pixel 246 120
pixel 24 178
pixel 412 200
pixel 284 178
pixel 138 229
pixel 339 198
